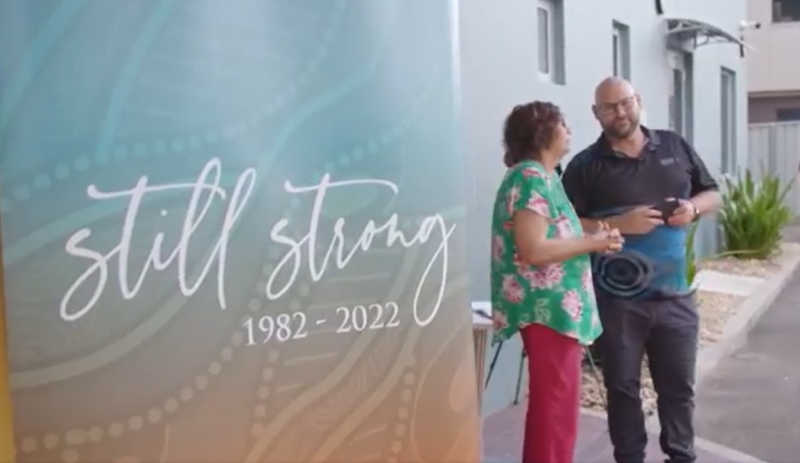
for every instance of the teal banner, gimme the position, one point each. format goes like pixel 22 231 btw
pixel 233 231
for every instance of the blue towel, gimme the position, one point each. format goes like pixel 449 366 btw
pixel 650 266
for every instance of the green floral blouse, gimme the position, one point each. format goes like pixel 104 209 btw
pixel 560 295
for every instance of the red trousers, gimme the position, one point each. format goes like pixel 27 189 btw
pixel 554 369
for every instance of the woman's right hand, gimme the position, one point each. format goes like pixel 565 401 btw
pixel 606 239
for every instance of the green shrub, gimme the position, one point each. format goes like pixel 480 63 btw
pixel 753 215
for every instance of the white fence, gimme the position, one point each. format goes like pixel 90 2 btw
pixel 774 148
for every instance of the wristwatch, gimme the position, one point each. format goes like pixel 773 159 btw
pixel 695 211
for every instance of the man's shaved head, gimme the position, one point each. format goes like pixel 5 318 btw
pixel 617 107
pixel 611 89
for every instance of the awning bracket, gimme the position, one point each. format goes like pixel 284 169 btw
pixel 699 33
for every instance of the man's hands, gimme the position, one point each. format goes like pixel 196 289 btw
pixel 638 221
pixel 684 214
pixel 643 220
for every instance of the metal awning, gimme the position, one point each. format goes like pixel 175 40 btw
pixel 699 33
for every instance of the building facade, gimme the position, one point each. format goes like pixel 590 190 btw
pixel 773 71
pixel 684 58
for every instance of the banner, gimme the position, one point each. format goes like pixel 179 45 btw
pixel 232 231
pixel 6 423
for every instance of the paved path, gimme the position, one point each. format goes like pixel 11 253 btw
pixel 502 442
pixel 751 402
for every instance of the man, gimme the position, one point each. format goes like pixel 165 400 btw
pixel 651 185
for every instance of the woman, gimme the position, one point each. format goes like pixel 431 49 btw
pixel 541 278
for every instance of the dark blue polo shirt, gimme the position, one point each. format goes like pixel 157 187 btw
pixel 602 183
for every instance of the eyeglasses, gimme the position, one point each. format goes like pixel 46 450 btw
pixel 608 109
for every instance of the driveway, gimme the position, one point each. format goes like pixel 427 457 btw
pixel 751 402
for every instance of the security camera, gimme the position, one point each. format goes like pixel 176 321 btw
pixel 744 24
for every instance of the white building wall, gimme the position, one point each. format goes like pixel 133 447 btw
pixel 499 69
pixel 774 68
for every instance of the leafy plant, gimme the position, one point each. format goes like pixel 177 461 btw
pixel 753 215
pixel 691 258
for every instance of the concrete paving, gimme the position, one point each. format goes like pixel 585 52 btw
pixel 751 401
pixel 502 441
pixel 727 283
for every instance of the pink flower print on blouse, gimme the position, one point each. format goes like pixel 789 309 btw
pixel 595 320
pixel 546 277
pixel 564 227
pixel 587 283
pixel 529 172
pixel 511 200
pixel 498 248
pixel 525 271
pixel 499 320
pixel 538 204
pixel 586 280
pixel 571 303
pixel 512 290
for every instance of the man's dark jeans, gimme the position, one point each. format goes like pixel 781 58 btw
pixel 666 330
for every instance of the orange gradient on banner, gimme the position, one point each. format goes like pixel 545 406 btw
pixel 6 423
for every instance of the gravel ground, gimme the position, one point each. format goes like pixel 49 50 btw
pixel 715 310
pixel 751 267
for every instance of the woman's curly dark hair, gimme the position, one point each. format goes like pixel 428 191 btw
pixel 529 130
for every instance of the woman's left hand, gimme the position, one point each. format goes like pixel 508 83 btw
pixel 605 230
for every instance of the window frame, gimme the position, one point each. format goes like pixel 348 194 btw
pixel 549 35
pixel 785 20
pixel 787 114
pixel 620 50
pixel 616 52
pixel 681 98
pixel 728 121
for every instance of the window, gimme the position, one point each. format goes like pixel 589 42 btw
pixel 545 40
pixel 550 37
pixel 785 11
pixel 677 101
pixel 728 121
pixel 788 114
pixel 681 95
pixel 620 50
